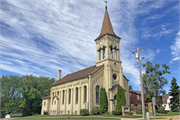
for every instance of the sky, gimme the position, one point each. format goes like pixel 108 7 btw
pixel 40 37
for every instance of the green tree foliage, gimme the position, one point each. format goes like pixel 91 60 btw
pixel 120 98
pixel 103 100
pixel 174 92
pixel 130 87
pixel 153 80
pixel 23 94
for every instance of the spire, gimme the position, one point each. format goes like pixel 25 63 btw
pixel 106 26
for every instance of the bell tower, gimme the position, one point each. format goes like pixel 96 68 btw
pixel 107 44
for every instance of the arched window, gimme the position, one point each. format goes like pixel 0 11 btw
pixel 115 53
pixel 58 93
pixel 99 53
pixel 103 52
pixel 69 96
pixel 111 51
pixel 85 94
pixel 63 97
pixel 97 94
pixel 76 95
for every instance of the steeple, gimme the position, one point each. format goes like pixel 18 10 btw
pixel 106 26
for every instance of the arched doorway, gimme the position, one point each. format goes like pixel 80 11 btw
pixel 115 102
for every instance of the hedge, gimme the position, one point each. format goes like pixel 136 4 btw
pixel 84 112
pixel 46 113
pixel 117 112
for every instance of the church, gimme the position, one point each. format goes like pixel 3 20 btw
pixel 71 93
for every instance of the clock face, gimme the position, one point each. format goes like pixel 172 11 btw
pixel 113 41
pixel 101 42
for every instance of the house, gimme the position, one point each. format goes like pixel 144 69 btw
pixel 13 115
pixel 166 102
pixel 70 93
pixel 135 100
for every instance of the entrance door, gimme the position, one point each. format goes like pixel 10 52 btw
pixel 115 102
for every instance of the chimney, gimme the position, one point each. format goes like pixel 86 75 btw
pixel 59 74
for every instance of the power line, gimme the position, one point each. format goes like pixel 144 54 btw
pixel 49 56
pixel 48 22
pixel 49 27
pixel 63 60
pixel 46 16
pixel 51 18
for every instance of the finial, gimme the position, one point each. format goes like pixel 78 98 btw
pixel 106 4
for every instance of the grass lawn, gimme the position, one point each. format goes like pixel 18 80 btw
pixel 76 117
pixel 168 114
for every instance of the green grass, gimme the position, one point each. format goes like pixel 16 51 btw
pixel 168 114
pixel 58 117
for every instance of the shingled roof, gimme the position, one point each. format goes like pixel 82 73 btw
pixel 47 97
pixel 77 75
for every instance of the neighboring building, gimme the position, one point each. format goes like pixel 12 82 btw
pixel 135 100
pixel 13 115
pixel 69 94
pixel 167 102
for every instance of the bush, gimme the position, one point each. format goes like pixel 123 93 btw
pixel 161 111
pixel 130 113
pixel 107 112
pixel 95 111
pixel 84 112
pixel 158 111
pixel 146 109
pixel 46 113
pixel 117 112
pixel 175 110
pixel 139 112
pixel 103 101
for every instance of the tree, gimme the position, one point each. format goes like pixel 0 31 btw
pixel 153 80
pixel 23 94
pixel 130 87
pixel 174 92
pixel 103 100
pixel 120 98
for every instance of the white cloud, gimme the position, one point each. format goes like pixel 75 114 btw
pixel 175 48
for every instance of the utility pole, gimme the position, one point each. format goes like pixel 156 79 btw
pixel 142 91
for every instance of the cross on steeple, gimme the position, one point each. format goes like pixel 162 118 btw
pixel 106 4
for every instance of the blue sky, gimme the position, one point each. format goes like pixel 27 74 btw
pixel 40 37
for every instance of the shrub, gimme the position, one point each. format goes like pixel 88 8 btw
pixel 117 112
pixel 95 111
pixel 103 101
pixel 120 98
pixel 46 113
pixel 139 112
pixel 158 111
pixel 175 110
pixel 107 112
pixel 130 113
pixel 84 112
pixel 163 111
pixel 146 109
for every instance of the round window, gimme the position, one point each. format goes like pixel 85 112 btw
pixel 114 77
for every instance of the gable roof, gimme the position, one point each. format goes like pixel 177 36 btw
pixel 114 86
pixel 56 97
pixel 77 75
pixel 47 97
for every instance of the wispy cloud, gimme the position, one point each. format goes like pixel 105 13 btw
pixel 175 48
pixel 60 31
